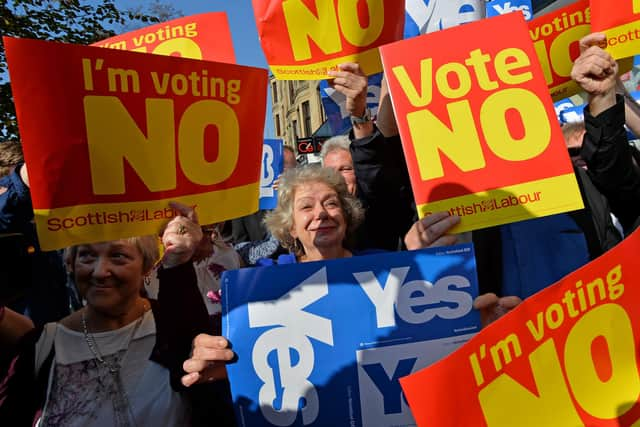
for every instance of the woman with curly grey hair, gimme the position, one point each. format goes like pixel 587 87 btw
pixel 316 215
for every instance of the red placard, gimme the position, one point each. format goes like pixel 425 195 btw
pixel 111 136
pixel 477 125
pixel 555 36
pixel 303 39
pixel 567 356
pixel 206 36
pixel 621 24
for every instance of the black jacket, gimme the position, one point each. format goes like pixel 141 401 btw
pixel 609 158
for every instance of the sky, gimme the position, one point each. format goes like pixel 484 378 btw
pixel 243 30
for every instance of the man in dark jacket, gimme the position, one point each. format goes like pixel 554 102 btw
pixel 605 148
pixel 34 280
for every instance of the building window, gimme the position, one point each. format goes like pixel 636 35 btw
pixel 274 92
pixel 294 125
pixel 278 125
pixel 306 118
pixel 292 92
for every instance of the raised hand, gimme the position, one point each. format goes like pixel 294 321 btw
pixel 181 236
pixel 352 83
pixel 595 70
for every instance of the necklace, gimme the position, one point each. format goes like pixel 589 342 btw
pixel 120 401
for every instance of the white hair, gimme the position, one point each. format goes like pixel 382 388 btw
pixel 340 142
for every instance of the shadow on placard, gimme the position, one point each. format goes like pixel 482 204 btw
pixel 628 414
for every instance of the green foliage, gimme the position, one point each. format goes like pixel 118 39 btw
pixel 70 21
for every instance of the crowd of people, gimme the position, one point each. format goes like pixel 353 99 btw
pixel 113 334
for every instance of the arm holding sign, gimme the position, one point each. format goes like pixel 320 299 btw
pixel 631 108
pixel 605 148
pixel 178 285
pixel 381 175
pixel 178 293
pixel 353 83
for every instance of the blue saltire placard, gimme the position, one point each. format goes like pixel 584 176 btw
pixel 426 16
pixel 324 343
pixel 572 114
pixel 500 7
pixel 560 106
pixel 272 164
pixel 335 104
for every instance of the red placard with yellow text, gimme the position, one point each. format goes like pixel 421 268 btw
pixel 110 137
pixel 206 36
pixel 567 356
pixel 620 21
pixel 555 36
pixel 303 39
pixel 478 128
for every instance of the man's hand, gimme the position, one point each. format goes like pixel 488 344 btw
pixel 181 237
pixel 352 83
pixel 492 307
pixel 596 71
pixel 431 231
pixel 209 355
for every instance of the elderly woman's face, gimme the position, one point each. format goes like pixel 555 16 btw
pixel 109 275
pixel 318 218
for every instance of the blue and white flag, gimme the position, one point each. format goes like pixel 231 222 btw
pixel 324 343
pixel 427 16
pixel 501 7
pixel 572 114
pixel 560 106
pixel 335 104
pixel 272 164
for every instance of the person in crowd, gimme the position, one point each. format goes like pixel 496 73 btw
pixel 573 134
pixel 611 161
pixel 315 219
pixel 35 282
pixel 116 361
pixel 10 157
pixel 336 154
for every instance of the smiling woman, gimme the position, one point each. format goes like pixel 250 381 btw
pixel 115 361
pixel 316 215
